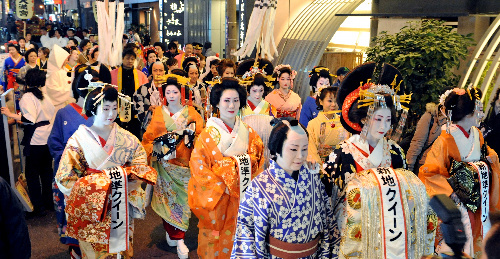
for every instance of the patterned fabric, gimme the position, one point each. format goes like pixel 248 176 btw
pixel 263 108
pixel 11 68
pixel 213 190
pixel 146 96
pixel 170 199
pixel 288 107
pixel 291 211
pixel 435 173
pixel 83 180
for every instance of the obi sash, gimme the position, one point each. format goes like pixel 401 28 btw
pixel 286 250
pixel 282 114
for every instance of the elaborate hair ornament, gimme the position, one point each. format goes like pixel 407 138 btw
pixel 279 67
pixel 180 79
pixel 373 96
pixel 148 49
pixel 317 70
pixel 216 80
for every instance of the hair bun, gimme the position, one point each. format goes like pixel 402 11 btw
pixel 294 123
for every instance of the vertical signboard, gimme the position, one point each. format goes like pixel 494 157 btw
pixel 242 27
pixel 172 20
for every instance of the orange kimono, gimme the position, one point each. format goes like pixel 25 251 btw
pixel 216 176
pixel 435 172
pixel 169 199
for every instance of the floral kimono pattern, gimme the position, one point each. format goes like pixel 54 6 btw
pixel 289 106
pixel 292 211
pixel 82 177
pixel 170 199
pixel 214 187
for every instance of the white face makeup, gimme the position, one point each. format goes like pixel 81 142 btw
pixel 294 152
pixel 173 95
pixel 380 124
pixel 322 82
pixel 229 104
pixel 329 104
pixel 285 81
pixel 106 113
pixel 256 93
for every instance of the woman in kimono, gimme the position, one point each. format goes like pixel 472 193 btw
pixel 287 102
pixel 150 60
pixel 285 212
pixel 226 156
pixel 325 131
pixel 255 102
pixel 11 67
pixel 182 124
pixel 100 174
pixel 461 165
pixel 370 190
pixel 31 58
pixel 66 122
pixel 320 78
pixel 226 68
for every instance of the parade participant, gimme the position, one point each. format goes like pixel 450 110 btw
pixel 319 78
pixel 371 192
pixel 28 38
pixel 101 168
pixel 11 66
pixel 255 102
pixel 66 122
pixel 226 68
pixel 325 131
pixel 43 55
pixel 104 73
pixel 492 131
pixel 210 69
pixel 128 79
pixel 341 73
pixel 160 51
pixel 72 62
pixel 85 45
pixel 188 51
pixel 199 89
pixel 150 59
pixel 287 102
pixel 36 113
pixel 461 165
pixel 267 227
pixel 22 45
pixel 172 50
pixel 31 57
pixel 181 123
pixel 149 95
pixel 72 43
pixel 58 85
pixel 226 156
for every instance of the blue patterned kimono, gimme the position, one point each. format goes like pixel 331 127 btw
pixel 309 111
pixel 66 122
pixel 290 211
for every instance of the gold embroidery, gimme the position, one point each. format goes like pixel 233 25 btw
pixel 215 134
pixel 432 221
pixel 354 232
pixel 354 198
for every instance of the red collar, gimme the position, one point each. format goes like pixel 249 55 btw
pixel 363 152
pixel 463 130
pixel 78 109
pixel 252 106
pixel 228 128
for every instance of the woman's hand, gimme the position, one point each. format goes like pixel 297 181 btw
pixel 5 111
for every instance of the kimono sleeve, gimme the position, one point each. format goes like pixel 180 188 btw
pixel 55 141
pixel 156 128
pixel 29 109
pixel 252 226
pixel 138 167
pixel 434 172
pixel 495 179
pixel 313 143
pixel 71 167
pixel 330 239
pixel 297 115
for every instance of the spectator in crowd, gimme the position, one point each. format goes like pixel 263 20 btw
pixel 45 39
pixel 14 235
pixel 28 38
pixel 341 73
pixel 85 34
pixel 85 45
pixel 22 45
pixel 93 39
pixel 36 113
pixel 43 55
pixel 171 64
pixel 72 43
pixel 172 50
pixel 207 49
pixel 71 35
pixel 58 39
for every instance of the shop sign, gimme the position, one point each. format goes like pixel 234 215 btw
pixel 25 9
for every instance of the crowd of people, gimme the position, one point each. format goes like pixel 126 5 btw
pixel 267 174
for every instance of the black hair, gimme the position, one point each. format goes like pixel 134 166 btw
pixel 491 247
pixel 11 45
pixel 74 41
pixel 214 62
pixel 83 43
pixel 171 61
pixel 223 65
pixel 92 55
pixel 279 134
pixel 179 72
pixel 207 45
pixel 324 93
pixel 85 30
pixel 187 67
pixel 226 84
pixel 71 30
pixel 44 28
pixel 171 45
pixel 21 38
pixel 130 52
pixel 162 46
pixel 70 49
pixel 259 79
pixel 35 78
pixel 357 114
pixel 80 82
pixel 59 31
pixel 130 46
pixel 187 60
pixel 28 32
pixel 46 51
pixel 110 94
pixel 28 52
pixel 149 52
pixel 170 81
pixel 316 76
pixel 461 105
pixel 124 37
